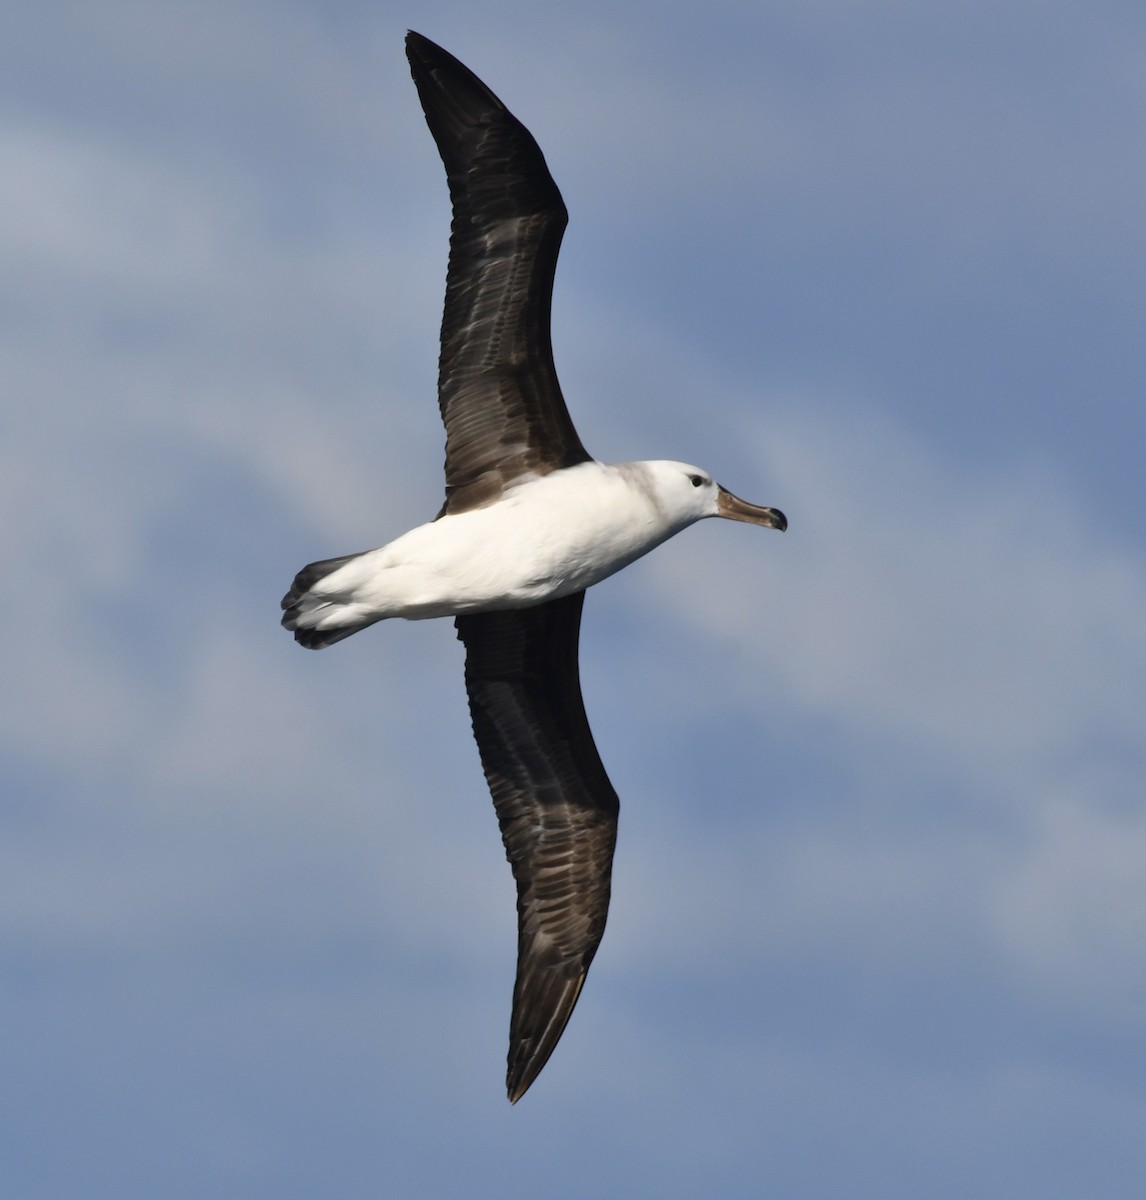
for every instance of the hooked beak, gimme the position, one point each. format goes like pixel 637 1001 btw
pixel 735 509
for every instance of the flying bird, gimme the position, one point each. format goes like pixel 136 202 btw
pixel 530 521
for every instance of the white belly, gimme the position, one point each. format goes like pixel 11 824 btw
pixel 546 538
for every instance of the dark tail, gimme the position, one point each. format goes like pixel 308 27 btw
pixel 300 606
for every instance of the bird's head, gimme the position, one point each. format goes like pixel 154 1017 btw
pixel 687 494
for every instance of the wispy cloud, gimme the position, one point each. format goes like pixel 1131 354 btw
pixel 882 835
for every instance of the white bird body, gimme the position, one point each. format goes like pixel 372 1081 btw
pixel 546 537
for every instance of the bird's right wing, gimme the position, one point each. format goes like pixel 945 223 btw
pixel 497 387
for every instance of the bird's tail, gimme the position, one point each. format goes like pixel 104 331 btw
pixel 317 610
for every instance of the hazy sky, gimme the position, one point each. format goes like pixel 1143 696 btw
pixel 879 912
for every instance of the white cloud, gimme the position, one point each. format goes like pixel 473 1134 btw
pixel 1071 916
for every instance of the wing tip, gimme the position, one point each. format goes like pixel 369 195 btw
pixel 418 44
pixel 529 1052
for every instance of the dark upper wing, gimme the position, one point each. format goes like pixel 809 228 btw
pixel 497 387
pixel 556 807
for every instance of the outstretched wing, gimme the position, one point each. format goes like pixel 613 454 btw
pixel 556 806
pixel 497 386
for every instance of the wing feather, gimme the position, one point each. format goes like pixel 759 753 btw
pixel 556 807
pixel 500 400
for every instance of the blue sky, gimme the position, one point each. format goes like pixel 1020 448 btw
pixel 879 912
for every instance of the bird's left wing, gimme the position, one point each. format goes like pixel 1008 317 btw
pixel 556 806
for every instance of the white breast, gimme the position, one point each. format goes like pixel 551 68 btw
pixel 547 537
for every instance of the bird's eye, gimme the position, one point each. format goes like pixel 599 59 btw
pixel 696 480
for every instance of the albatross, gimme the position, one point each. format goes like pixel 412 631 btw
pixel 530 521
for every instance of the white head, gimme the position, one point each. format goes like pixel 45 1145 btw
pixel 685 494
